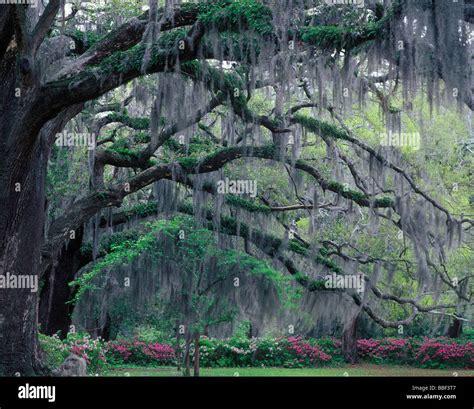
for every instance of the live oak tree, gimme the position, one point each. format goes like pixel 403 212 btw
pixel 316 61
pixel 43 88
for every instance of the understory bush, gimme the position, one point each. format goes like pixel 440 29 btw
pixel 139 353
pixel 441 352
pixel 291 352
pixel 57 350
pixel 241 351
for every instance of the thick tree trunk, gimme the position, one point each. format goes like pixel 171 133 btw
pixel 23 163
pixel 349 341
pixel 197 336
pixel 21 230
pixel 54 312
pixel 455 329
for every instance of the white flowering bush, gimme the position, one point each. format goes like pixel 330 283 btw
pixel 57 350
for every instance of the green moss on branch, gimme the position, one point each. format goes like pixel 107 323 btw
pixel 247 205
pixel 237 15
pixel 132 122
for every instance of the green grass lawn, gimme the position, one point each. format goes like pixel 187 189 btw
pixel 354 370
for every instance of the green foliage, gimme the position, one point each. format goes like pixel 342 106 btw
pixel 80 344
pixel 196 148
pixel 151 334
pixel 346 192
pixel 220 81
pixel 127 153
pixel 198 244
pixel 310 284
pixel 188 162
pixel 240 351
pixel 133 122
pixel 55 351
pixel 111 241
pixel 142 210
pixel 352 33
pixel 237 15
pixel 141 137
pixel 320 127
pixel 248 205
pixel 330 37
pixel 121 251
pixel 86 38
pixel 132 59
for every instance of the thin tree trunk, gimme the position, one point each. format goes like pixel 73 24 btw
pixel 456 327
pixel 187 358
pixel 197 336
pixel 178 348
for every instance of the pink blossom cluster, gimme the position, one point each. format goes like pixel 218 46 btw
pixel 120 349
pixel 373 348
pixel 445 351
pixel 77 350
pixel 306 352
pixel 125 349
pixel 87 349
pixel 160 352
pixel 441 350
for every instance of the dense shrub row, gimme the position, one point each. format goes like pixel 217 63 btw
pixel 139 353
pixel 440 352
pixel 290 352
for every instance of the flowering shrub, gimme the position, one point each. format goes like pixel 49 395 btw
pixel 262 352
pixel 240 351
pixel 396 350
pixel 443 353
pixel 139 353
pixel 305 353
pixel 57 350
pixel 331 347
pixel 92 350
pixel 227 353
pixel 272 352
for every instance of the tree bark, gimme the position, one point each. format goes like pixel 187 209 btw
pixel 178 348
pixel 54 312
pixel 21 230
pixel 187 357
pixel 349 341
pixel 197 336
pixel 23 164
pixel 455 329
